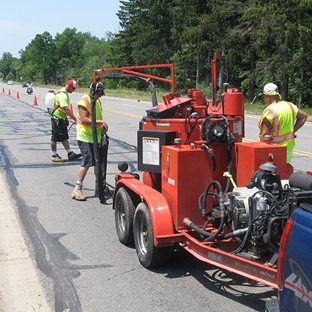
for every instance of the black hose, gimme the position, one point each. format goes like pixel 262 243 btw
pixel 207 191
pixel 193 226
pixel 192 126
pixel 205 224
pixel 200 201
pixel 208 235
pixel 233 234
pixel 210 153
pixel 221 204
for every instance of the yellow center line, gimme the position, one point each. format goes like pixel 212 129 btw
pixel 302 153
pixel 297 152
pixel 121 113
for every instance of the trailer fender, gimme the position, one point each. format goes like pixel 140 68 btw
pixel 158 206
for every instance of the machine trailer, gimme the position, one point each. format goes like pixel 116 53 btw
pixel 200 187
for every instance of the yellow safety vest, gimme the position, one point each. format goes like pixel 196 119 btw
pixel 84 132
pixel 60 113
pixel 281 116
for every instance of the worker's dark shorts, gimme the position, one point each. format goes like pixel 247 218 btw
pixel 87 154
pixel 59 130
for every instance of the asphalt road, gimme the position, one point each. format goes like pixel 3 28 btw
pixel 79 261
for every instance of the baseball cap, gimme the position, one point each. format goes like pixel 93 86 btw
pixel 270 89
pixel 72 83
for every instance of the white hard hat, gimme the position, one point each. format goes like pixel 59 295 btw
pixel 270 89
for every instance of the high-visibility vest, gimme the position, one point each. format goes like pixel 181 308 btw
pixel 60 113
pixel 84 132
pixel 281 116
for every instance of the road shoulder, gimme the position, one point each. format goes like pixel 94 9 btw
pixel 20 287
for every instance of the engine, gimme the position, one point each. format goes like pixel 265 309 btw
pixel 255 215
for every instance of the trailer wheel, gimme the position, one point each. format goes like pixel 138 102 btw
pixel 149 255
pixel 124 212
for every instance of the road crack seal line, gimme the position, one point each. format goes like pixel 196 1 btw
pixel 53 259
pixel 5 163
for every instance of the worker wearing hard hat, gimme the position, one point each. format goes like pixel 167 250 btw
pixel 85 135
pixel 280 119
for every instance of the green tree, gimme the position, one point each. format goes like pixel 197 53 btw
pixel 40 59
pixel 260 41
pixel 300 65
pixel 5 64
pixel 191 42
pixel 144 38
pixel 69 45
pixel 95 54
pixel 122 45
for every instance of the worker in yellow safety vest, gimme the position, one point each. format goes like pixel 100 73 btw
pixel 59 122
pixel 280 119
pixel 85 135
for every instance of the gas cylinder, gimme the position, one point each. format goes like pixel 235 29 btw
pixel 49 100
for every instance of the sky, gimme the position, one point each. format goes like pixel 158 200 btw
pixel 21 21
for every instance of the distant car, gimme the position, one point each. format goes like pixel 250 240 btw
pixel 25 84
pixel 10 82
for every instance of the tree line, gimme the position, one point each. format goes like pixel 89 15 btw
pixel 259 42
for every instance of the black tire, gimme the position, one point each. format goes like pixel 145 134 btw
pixel 149 255
pixel 124 212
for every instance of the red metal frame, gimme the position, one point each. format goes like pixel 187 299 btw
pixel 225 260
pixel 169 226
pixel 216 56
pixel 131 71
pixel 165 235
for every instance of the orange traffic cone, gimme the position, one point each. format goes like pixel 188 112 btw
pixel 35 101
pixel 71 109
pixel 9 93
pixel 17 95
pixel 2 90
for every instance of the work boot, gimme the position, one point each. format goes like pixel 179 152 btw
pixel 72 156
pixel 77 193
pixel 57 158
